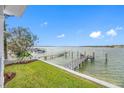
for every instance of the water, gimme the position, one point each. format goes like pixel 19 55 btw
pixel 111 71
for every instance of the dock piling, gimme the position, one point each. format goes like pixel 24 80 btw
pixel 77 54
pixel 65 54
pixel 85 53
pixel 72 54
pixel 93 55
pixel 106 57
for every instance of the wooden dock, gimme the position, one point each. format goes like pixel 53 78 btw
pixel 50 57
pixel 77 62
pixel 81 57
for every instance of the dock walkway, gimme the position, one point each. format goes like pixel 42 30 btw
pixel 76 62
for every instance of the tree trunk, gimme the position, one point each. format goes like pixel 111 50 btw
pixel 5 42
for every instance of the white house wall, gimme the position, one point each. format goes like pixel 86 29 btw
pixel 1 46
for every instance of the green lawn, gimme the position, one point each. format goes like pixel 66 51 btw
pixel 42 75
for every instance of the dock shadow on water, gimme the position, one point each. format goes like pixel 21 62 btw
pixel 85 65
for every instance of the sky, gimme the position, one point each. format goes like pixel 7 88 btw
pixel 73 25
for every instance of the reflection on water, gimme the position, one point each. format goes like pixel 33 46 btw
pixel 111 70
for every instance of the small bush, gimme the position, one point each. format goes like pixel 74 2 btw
pixel 23 54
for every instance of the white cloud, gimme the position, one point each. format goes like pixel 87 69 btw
pixel 45 23
pixel 118 28
pixel 95 34
pixel 112 32
pixel 61 36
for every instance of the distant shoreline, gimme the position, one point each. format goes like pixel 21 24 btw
pixel 109 46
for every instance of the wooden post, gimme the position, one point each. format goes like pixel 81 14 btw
pixel 106 57
pixel 80 56
pixel 45 57
pixel 79 65
pixel 72 54
pixel 77 54
pixel 65 54
pixel 74 68
pixel 85 53
pixel 69 53
pixel 52 56
pixel 93 55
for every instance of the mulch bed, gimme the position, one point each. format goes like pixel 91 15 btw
pixel 22 62
pixel 8 76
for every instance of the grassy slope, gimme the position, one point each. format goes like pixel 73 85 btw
pixel 39 74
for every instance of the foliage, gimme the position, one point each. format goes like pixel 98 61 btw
pixel 20 39
pixel 23 54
